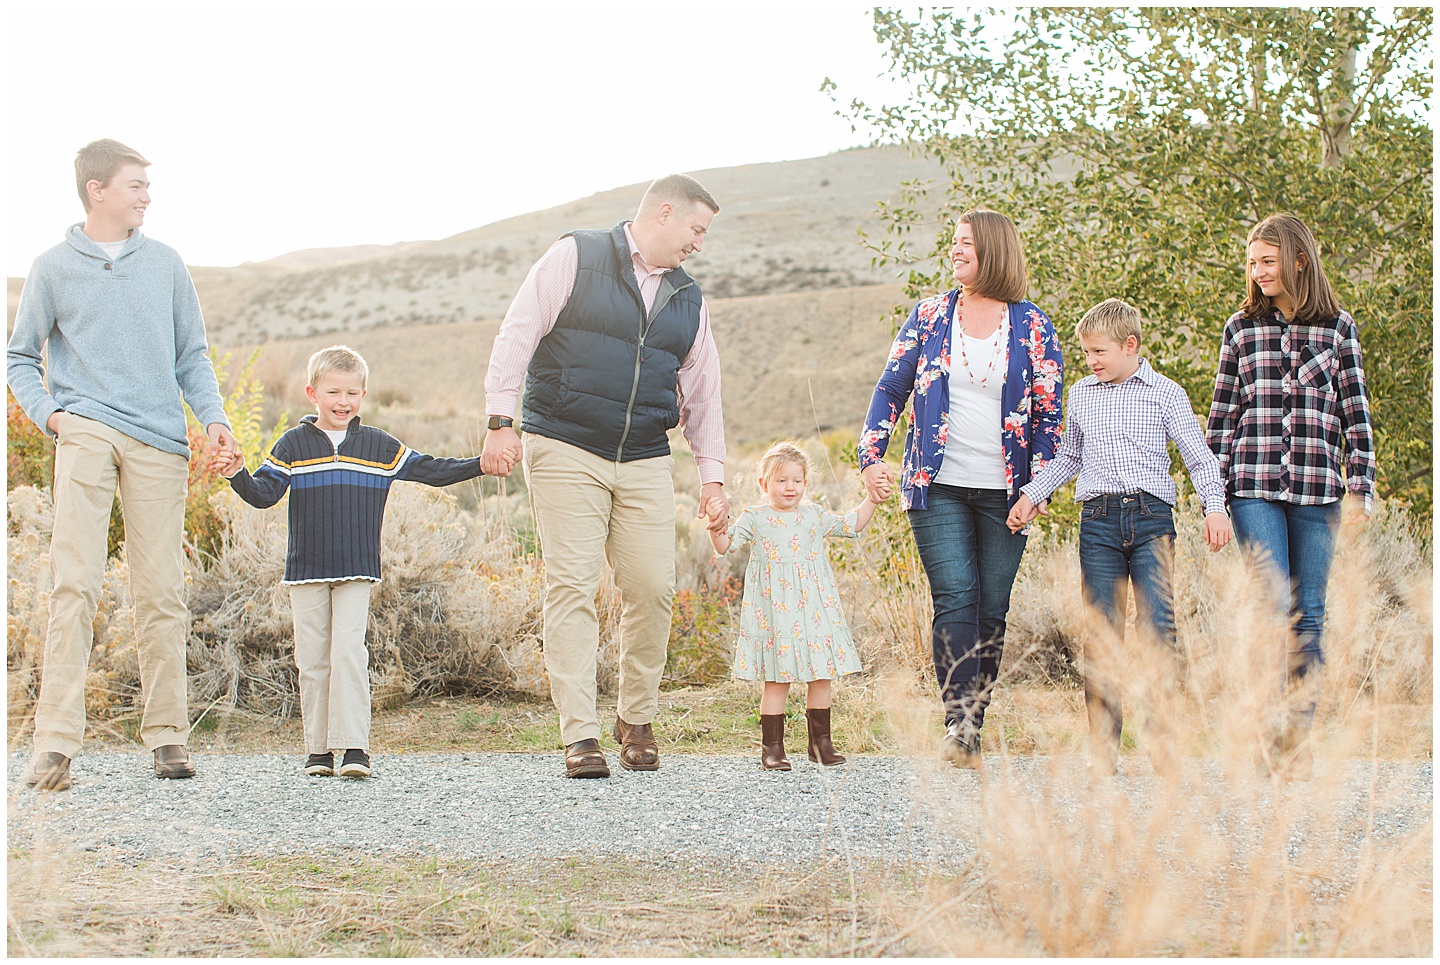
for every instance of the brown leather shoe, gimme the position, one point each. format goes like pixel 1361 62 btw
pixel 584 759
pixel 772 743
pixel 822 751
pixel 638 750
pixel 173 761
pixel 49 771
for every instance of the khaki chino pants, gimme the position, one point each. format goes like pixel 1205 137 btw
pixel 589 510
pixel 91 459
pixel 330 622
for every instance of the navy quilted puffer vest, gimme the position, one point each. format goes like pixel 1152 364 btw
pixel 604 378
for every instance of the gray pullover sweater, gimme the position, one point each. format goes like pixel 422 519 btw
pixel 126 341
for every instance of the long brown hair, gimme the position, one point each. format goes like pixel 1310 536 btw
pixel 1000 261
pixel 1301 274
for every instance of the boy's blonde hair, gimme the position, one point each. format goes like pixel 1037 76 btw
pixel 337 358
pixel 777 456
pixel 100 161
pixel 1113 319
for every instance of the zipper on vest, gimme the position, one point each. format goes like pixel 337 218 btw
pixel 634 390
pixel 661 300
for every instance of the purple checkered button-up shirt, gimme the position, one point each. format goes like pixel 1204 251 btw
pixel 1289 399
pixel 1115 439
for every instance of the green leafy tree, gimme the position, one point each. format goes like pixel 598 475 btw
pixel 1136 148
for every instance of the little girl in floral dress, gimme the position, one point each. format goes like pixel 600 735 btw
pixel 791 625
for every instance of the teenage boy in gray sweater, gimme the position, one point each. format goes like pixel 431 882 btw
pixel 117 318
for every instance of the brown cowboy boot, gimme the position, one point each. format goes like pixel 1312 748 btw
pixel 817 720
pixel 772 743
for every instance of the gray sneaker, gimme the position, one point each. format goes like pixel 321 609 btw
pixel 961 745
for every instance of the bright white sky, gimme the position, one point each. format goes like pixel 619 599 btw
pixel 274 127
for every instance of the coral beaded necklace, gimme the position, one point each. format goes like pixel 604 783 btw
pixel 964 356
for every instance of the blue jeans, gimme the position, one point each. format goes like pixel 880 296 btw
pixel 1125 538
pixel 1298 543
pixel 970 559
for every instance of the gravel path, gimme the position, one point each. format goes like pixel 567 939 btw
pixel 694 812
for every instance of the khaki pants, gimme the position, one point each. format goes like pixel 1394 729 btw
pixel 330 621
pixel 589 510
pixel 91 459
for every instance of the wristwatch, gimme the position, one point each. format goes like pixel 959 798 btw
pixel 499 422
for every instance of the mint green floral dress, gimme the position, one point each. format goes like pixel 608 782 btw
pixel 791 624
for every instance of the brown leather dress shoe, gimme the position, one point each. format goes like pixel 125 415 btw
pixel 173 761
pixel 584 759
pixel 49 771
pixel 638 750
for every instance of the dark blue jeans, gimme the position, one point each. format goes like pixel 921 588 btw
pixel 1298 543
pixel 1125 538
pixel 970 559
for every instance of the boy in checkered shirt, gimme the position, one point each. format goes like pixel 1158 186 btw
pixel 1118 423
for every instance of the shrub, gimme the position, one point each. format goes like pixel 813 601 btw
pixel 30 455
pixel 458 610
pixel 700 644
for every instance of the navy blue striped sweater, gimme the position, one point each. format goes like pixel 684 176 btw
pixel 338 493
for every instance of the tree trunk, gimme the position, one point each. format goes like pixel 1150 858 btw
pixel 1336 125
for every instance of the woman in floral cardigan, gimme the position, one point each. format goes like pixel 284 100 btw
pixel 985 371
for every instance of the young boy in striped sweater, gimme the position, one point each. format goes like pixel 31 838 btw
pixel 339 473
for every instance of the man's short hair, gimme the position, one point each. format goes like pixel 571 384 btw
pixel 100 161
pixel 337 358
pixel 999 257
pixel 681 190
pixel 1113 319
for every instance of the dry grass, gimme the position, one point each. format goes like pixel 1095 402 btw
pixel 1220 861
pixel 406 907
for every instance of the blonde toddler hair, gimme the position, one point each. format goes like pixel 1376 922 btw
pixel 1113 319
pixel 777 456
pixel 337 358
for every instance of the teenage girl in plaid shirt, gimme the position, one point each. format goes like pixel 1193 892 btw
pixel 1290 424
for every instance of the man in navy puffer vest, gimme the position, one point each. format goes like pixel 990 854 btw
pixel 611 339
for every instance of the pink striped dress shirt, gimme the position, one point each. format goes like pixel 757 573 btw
pixel 532 315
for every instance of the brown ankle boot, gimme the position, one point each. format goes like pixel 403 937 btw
pixel 772 742
pixel 821 750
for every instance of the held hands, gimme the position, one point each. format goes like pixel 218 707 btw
pixel 1023 513
pixel 879 482
pixel 1217 531
pixel 502 450
pixel 225 456
pixel 714 508
pixel 226 464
